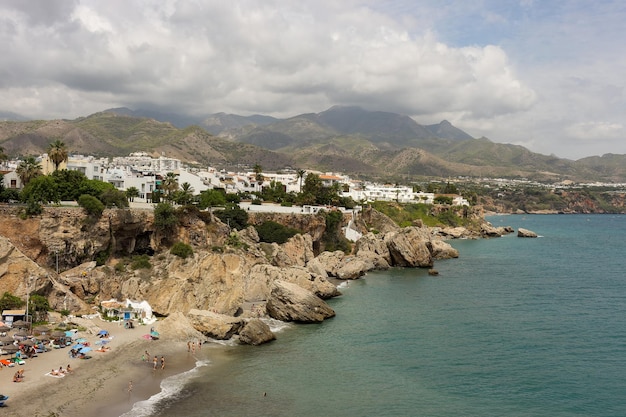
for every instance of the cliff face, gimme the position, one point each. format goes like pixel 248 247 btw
pixel 228 272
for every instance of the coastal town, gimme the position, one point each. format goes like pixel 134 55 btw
pixel 146 174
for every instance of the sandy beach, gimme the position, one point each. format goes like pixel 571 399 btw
pixel 98 386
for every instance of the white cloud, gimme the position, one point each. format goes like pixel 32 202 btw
pixel 524 72
pixel 600 130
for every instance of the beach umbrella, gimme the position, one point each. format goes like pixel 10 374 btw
pixel 42 329
pixel 85 349
pixel 4 328
pixel 103 332
pixel 81 340
pixel 78 346
pixel 27 342
pixel 69 333
pixel 6 339
pixel 147 336
pixel 58 333
pixel 10 348
pixel 20 324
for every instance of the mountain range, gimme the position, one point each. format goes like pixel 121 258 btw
pixel 369 144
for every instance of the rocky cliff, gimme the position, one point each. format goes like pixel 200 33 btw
pixel 230 274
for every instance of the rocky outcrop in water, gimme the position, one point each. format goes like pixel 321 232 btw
pixel 290 302
pixel 525 233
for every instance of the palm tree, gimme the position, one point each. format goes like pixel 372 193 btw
pixel 170 183
pixel 57 152
pixel 301 173
pixel 3 156
pixel 186 193
pixel 28 169
pixel 131 193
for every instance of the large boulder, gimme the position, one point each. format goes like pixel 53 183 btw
pixel 261 276
pixel 525 233
pixel 330 261
pixel 373 244
pixel 410 247
pixel 215 325
pixel 290 302
pixel 255 332
pixel 298 250
pixel 443 250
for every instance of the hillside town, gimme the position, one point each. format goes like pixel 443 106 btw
pixel 146 173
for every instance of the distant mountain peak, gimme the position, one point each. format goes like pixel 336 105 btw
pixel 446 130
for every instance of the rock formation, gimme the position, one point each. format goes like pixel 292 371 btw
pixel 525 233
pixel 221 289
pixel 290 302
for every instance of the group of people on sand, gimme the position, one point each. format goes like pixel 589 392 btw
pixel 61 371
pixel 191 346
pixel 155 361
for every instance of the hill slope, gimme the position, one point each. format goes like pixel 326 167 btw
pixel 344 139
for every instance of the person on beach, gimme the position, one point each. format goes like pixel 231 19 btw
pixel 154 362
pixel 188 346
pixel 68 369
pixel 162 362
pixel 130 386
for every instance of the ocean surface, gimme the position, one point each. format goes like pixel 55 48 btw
pixel 513 327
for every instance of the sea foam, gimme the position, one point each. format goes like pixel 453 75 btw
pixel 170 389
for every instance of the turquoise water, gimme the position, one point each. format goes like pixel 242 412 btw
pixel 513 327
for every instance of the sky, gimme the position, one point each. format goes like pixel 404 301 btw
pixel 548 75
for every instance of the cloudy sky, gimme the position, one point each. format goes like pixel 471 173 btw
pixel 545 74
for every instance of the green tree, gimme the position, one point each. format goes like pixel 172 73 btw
pixel 28 169
pixel 301 174
pixel 131 193
pixel 95 188
pixel 170 184
pixel 165 218
pixel 234 216
pixel 3 155
pixel 184 196
pixel 42 189
pixel 443 199
pixel 450 189
pixel 333 237
pixel 271 232
pixel 211 198
pixel 57 152
pixel 38 307
pixel 10 302
pixel 69 183
pixel 258 174
pixel 91 205
pixel 114 198
pixel 275 192
pixel 311 189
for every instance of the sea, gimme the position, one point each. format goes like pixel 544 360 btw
pixel 513 327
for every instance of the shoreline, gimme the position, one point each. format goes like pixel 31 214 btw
pixel 96 386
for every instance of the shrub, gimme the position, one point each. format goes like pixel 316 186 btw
pixel 182 250
pixel 165 218
pixel 271 232
pixel 91 205
pixel 141 262
pixel 33 208
pixel 234 216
